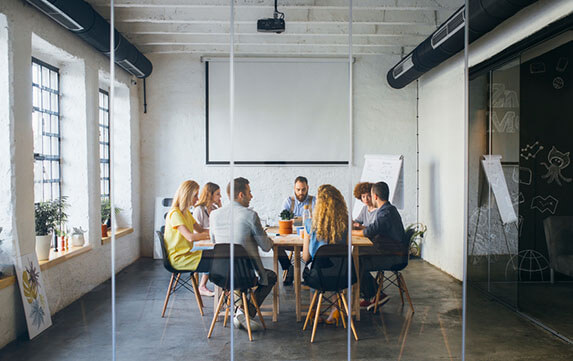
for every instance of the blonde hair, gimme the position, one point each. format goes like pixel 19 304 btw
pixel 206 197
pixel 184 195
pixel 330 216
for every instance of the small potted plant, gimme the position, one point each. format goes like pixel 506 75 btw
pixel 417 238
pixel 285 223
pixel 106 216
pixel 78 237
pixel 48 215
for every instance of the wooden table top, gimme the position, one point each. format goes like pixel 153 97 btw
pixel 291 240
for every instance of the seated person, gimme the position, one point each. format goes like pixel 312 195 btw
pixel 209 200
pixel 368 211
pixel 249 233
pixel 386 230
pixel 179 236
pixel 301 198
pixel 296 207
pixel 329 225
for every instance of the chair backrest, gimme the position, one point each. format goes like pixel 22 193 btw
pixel 220 272
pixel 559 236
pixel 330 267
pixel 164 254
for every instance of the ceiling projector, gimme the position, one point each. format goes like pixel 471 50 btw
pixel 276 24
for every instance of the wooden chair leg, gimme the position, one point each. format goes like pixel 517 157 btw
pixel 197 294
pixel 197 282
pixel 246 310
pixel 380 279
pixel 398 279
pixel 258 310
pixel 340 309
pixel 168 294
pixel 403 283
pixel 316 316
pixel 227 311
pixel 309 313
pixel 216 314
pixel 351 321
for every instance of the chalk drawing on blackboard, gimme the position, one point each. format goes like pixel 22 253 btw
pixel 520 224
pixel 545 204
pixel 537 68
pixel 530 150
pixel 504 98
pixel 520 198
pixel 562 64
pixel 521 175
pixel 557 162
pixel 558 82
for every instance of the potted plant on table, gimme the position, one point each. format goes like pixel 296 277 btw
pixel 285 223
pixel 417 238
pixel 106 216
pixel 48 215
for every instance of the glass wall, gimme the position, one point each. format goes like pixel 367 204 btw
pixel 518 140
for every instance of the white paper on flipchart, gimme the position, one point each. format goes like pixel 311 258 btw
pixel 386 168
pixel 494 174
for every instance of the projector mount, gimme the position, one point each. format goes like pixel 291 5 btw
pixel 276 24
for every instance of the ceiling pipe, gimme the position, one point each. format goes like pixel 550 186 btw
pixel 448 39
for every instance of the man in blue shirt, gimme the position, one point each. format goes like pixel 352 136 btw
pixel 301 198
pixel 387 235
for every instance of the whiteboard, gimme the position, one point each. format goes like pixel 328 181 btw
pixel 292 110
pixel 383 168
pixel 494 174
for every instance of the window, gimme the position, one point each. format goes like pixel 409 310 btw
pixel 104 143
pixel 46 125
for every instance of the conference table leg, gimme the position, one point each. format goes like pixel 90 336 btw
pixel 356 289
pixel 297 282
pixel 276 287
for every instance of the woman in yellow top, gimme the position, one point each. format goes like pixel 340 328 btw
pixel 179 236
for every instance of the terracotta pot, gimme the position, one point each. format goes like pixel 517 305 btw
pixel 285 227
pixel 104 230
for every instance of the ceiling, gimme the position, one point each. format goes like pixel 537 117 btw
pixel 313 27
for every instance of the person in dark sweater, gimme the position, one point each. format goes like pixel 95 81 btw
pixel 387 235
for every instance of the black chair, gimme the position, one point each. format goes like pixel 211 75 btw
pixel 244 279
pixel 176 281
pixel 329 273
pixel 393 258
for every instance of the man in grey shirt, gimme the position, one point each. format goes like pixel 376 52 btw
pixel 248 232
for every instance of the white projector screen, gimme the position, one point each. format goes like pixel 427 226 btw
pixel 287 111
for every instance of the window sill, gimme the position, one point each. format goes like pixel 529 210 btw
pixel 62 256
pixel 120 232
pixel 7 281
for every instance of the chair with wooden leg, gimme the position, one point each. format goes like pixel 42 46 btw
pixel 244 280
pixel 393 261
pixel 177 282
pixel 329 273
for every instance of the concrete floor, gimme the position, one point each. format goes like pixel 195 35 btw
pixel 82 330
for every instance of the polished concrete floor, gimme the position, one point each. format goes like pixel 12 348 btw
pixel 82 330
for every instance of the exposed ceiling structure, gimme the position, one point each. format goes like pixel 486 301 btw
pixel 313 27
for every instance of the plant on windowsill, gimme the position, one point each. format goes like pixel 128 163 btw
pixel 285 223
pixel 48 216
pixel 417 238
pixel 106 216
pixel 78 239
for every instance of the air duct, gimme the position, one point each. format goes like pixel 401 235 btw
pixel 80 18
pixel 448 39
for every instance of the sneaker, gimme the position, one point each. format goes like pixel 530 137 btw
pixel 365 303
pixel 381 302
pixel 239 319
pixel 289 276
pixel 240 322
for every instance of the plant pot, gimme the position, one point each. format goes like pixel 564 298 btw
pixel 285 227
pixel 43 244
pixel 104 230
pixel 77 240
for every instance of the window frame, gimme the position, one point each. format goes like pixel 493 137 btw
pixel 104 159
pixel 42 157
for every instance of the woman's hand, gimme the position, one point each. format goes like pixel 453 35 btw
pixel 192 237
pixel 306 247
